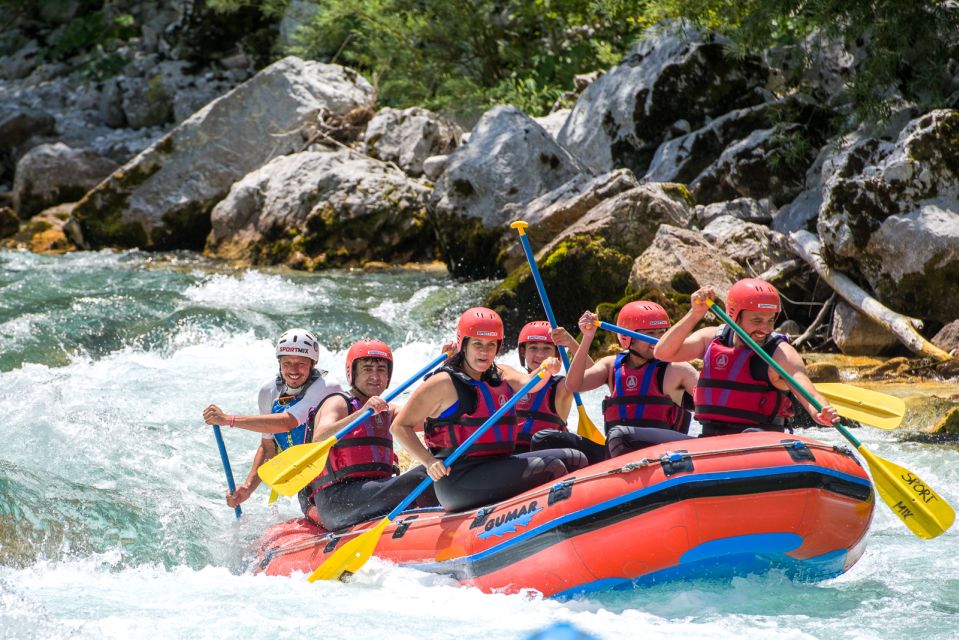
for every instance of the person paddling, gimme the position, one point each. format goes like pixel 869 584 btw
pixel 361 479
pixel 455 401
pixel 649 399
pixel 285 404
pixel 737 390
pixel 548 408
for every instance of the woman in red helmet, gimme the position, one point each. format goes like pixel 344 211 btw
pixel 455 401
pixel 737 390
pixel 360 480
pixel 647 400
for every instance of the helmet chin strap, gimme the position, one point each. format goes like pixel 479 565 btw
pixel 637 354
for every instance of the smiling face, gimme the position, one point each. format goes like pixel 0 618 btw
pixel 480 353
pixel 372 376
pixel 758 324
pixel 536 352
pixel 295 370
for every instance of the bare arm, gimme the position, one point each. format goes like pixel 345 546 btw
pixel 792 363
pixel 264 452
pixel 429 399
pixel 681 378
pixel 584 375
pixel 265 423
pixel 335 414
pixel 677 345
pixel 517 379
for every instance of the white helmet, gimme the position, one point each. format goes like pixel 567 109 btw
pixel 298 342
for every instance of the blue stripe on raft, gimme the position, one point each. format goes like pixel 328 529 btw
pixel 660 486
pixel 720 560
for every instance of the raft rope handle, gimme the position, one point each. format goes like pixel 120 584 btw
pixel 629 467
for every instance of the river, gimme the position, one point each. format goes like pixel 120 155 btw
pixel 112 521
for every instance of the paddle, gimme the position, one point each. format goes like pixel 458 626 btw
pixel 354 554
pixel 586 427
pixel 226 465
pixel 869 407
pixel 915 503
pixel 296 467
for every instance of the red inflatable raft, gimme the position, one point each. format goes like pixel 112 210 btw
pixel 719 507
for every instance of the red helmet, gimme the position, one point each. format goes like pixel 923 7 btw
pixel 368 348
pixel 536 331
pixel 752 294
pixel 480 323
pixel 641 315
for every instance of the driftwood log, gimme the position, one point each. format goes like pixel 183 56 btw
pixel 807 246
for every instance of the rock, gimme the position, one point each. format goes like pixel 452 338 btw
pixel 43 233
pixel 800 214
pixel 21 62
pixel 434 166
pixel 509 160
pixel 858 335
pixel 822 372
pixel 323 209
pixel 51 174
pixel 162 198
pixel 675 73
pixel 409 137
pixel 553 122
pixel 883 200
pixel 9 222
pixel 681 261
pixel 110 104
pixel 628 221
pixel 948 425
pixel 17 126
pixel 149 102
pixel 947 338
pixel 579 273
pixel 754 246
pixel 745 209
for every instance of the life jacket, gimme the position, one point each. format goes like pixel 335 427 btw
pixel 734 387
pixel 538 412
pixel 638 399
pixel 296 435
pixel 476 401
pixel 365 452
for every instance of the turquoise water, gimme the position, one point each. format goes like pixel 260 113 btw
pixel 112 523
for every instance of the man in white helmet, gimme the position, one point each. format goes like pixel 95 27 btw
pixel 286 404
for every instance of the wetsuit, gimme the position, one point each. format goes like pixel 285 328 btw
pixel 734 393
pixel 489 471
pixel 360 482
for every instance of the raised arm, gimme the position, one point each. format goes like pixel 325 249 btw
pixel 677 345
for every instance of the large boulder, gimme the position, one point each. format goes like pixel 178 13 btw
pixel 51 174
pixel 323 209
pixel 509 160
pixel 162 198
pixel 409 137
pixel 890 216
pixel 18 125
pixel 947 338
pixel 858 335
pixel 681 261
pixel 754 246
pixel 671 83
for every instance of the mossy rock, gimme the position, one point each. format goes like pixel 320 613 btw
pixel 470 249
pixel 949 424
pixel 580 273
pixel 822 372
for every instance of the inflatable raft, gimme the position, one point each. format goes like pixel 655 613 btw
pixel 708 509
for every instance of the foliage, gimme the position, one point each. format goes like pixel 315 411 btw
pixel 906 46
pixel 458 56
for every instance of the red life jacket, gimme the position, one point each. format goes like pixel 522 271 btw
pixel 365 452
pixel 734 389
pixel 476 401
pixel 538 412
pixel 638 399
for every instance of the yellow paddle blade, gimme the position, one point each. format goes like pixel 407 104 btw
pixel 917 505
pixel 294 468
pixel 587 429
pixel 273 496
pixel 862 405
pixel 351 556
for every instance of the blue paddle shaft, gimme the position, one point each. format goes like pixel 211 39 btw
pixel 626 332
pixel 421 487
pixel 226 465
pixel 531 259
pixel 391 395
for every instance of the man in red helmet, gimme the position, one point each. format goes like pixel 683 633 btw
pixel 361 478
pixel 648 398
pixel 737 390
pixel 456 401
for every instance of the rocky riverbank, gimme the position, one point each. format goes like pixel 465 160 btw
pixel 681 166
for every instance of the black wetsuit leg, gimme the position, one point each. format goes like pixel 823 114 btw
pixel 621 439
pixel 475 482
pixel 556 439
pixel 347 503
